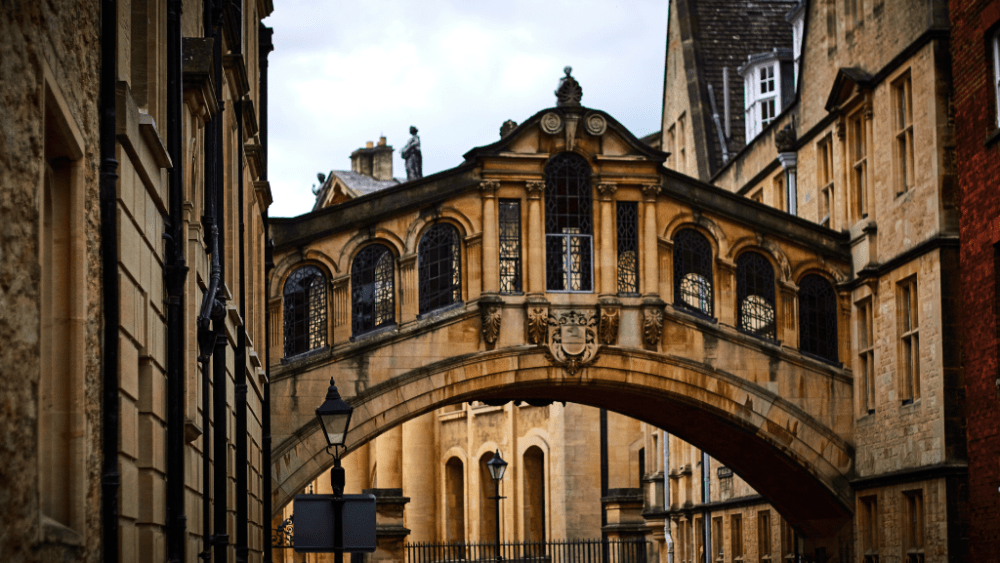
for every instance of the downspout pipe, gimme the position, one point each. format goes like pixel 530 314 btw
pixel 265 46
pixel 220 539
pixel 176 277
pixel 108 194
pixel 666 497
pixel 706 497
pixel 242 490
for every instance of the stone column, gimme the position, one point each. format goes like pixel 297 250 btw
pixel 608 263
pixel 389 459
pixel 536 239
pixel 409 291
pixel 419 478
pixel 491 244
pixel 651 272
pixel 725 301
pixel 389 529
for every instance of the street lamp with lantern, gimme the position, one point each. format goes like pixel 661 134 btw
pixel 497 467
pixel 334 417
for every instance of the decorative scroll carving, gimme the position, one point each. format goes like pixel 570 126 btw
pixel 652 325
pixel 537 324
pixel 489 187
pixel 595 124
pixel 535 189
pixel 650 191
pixel 572 340
pixel 610 320
pixel 492 315
pixel 607 190
pixel 551 123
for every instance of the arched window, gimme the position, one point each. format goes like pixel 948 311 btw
pixel 568 224
pixel 693 272
pixel 818 317
pixel 305 310
pixel 372 289
pixel 755 295
pixel 454 500
pixel 439 268
pixel 487 502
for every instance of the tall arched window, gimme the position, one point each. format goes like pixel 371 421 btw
pixel 305 310
pixel 455 501
pixel 818 317
pixel 487 504
pixel 568 224
pixel 440 270
pixel 755 295
pixel 372 289
pixel 693 272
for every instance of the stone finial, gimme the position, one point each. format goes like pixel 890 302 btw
pixel 569 93
pixel 784 140
pixel 507 127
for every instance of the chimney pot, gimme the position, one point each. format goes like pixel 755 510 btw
pixel 369 144
pixel 381 141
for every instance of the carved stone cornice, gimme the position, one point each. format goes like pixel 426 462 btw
pixel 489 187
pixel 607 190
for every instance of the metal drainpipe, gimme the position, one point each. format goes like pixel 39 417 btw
pixel 604 482
pixel 265 46
pixel 220 539
pixel 176 276
pixel 666 497
pixel 108 186
pixel 706 497
pixel 242 551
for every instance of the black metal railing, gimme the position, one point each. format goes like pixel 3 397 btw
pixel 565 551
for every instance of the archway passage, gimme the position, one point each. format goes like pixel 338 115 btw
pixel 792 458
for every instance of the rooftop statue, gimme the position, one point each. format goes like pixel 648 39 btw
pixel 569 92
pixel 413 157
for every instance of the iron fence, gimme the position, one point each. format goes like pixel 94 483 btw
pixel 565 551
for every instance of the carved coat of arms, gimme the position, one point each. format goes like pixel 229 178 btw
pixel 573 340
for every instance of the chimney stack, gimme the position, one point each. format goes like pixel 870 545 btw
pixel 373 161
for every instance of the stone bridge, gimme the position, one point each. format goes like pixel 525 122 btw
pixel 709 315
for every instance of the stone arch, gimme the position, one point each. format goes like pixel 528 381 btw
pixel 363 238
pixel 289 263
pixel 789 456
pixel 767 248
pixel 449 215
pixel 817 266
pixel 715 235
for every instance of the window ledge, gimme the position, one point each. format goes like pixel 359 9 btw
pixel 439 310
pixel 992 138
pixel 375 332
pixel 305 355
pixel 695 313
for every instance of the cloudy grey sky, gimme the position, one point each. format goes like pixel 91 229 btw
pixel 343 73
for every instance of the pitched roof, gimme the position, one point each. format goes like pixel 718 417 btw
pixel 362 184
pixel 727 32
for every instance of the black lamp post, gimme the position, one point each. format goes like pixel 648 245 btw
pixel 335 416
pixel 497 467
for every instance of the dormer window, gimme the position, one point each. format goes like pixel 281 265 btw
pixel 765 81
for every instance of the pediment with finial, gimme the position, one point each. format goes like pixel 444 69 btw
pixel 569 126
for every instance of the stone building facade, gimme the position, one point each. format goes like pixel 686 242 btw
pixel 134 211
pixel 866 146
pixel 975 52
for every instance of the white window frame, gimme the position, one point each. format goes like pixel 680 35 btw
pixel 755 99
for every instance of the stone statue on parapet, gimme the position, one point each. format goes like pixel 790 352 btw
pixel 413 157
pixel 569 92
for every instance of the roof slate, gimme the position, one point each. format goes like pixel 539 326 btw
pixel 362 184
pixel 727 33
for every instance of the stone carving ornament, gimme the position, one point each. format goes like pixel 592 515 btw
pixel 572 340
pixel 569 92
pixel 537 325
pixel 551 123
pixel 492 315
pixel 610 319
pixel 595 124
pixel 652 325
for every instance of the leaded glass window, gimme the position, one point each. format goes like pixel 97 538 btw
pixel 818 317
pixel 439 264
pixel 628 247
pixel 693 272
pixel 568 224
pixel 305 310
pixel 755 295
pixel 372 289
pixel 510 246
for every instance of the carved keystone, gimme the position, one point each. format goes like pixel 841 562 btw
pixel 610 320
pixel 652 321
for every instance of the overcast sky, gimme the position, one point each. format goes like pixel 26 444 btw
pixel 343 73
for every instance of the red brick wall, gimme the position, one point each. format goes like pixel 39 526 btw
pixel 979 188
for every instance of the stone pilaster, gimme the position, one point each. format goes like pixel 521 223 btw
pixel 651 271
pixel 491 244
pixel 606 245
pixel 409 291
pixel 536 239
pixel 390 533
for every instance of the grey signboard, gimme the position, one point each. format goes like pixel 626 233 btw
pixel 315 519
